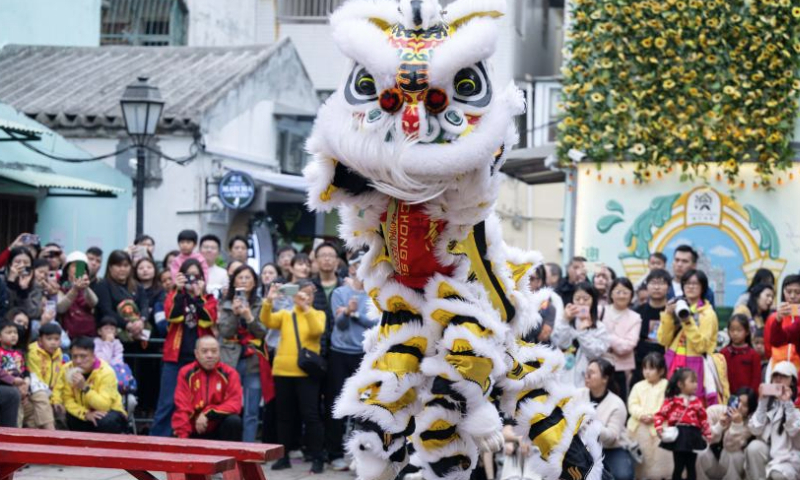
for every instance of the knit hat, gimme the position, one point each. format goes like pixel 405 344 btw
pixel 786 369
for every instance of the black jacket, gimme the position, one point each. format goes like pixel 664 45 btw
pixel 322 303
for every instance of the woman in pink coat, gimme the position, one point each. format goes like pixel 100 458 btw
pixel 622 325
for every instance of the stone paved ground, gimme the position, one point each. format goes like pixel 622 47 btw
pixel 299 471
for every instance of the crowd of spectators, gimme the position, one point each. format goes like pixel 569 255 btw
pixel 678 390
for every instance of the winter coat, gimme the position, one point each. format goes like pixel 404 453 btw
pixel 782 339
pixel 778 425
pixel 683 410
pixel 181 309
pixel 235 332
pixel 610 413
pixel 310 326
pixel 46 367
pixel 623 329
pixel 645 399
pixel 216 393
pixel 744 367
pixel 734 438
pixel 592 343
pixel 102 396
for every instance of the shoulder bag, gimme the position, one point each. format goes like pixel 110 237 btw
pixel 308 361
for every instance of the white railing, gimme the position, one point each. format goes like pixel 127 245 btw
pixel 306 11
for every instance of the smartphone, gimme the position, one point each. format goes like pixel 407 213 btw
pixel 80 269
pixel 26 271
pixel 50 306
pixel 795 310
pixel 30 239
pixel 139 252
pixel 583 312
pixel 241 294
pixel 52 276
pixel 771 390
pixel 289 289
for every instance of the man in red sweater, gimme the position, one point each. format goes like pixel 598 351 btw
pixel 208 398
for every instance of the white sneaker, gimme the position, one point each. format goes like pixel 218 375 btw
pixel 296 454
pixel 340 465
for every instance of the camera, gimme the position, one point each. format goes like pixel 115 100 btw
pixel 682 310
pixel 191 279
pixel 26 271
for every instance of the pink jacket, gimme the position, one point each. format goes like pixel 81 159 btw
pixel 623 331
pixel 178 261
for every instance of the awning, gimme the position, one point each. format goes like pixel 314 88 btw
pixel 50 180
pixel 15 132
pixel 296 183
pixel 529 165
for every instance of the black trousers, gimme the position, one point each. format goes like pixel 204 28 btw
pixel 341 366
pixel 229 429
pixel 298 398
pixel 9 405
pixel 684 460
pixel 113 422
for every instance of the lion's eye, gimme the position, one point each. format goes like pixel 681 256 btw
pixel 467 83
pixel 361 87
pixel 365 84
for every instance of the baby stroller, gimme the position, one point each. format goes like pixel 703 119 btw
pixel 127 386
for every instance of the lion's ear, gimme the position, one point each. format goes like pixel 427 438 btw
pixel 461 12
pixel 361 30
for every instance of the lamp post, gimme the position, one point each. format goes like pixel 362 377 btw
pixel 141 108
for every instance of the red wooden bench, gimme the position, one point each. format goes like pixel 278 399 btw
pixel 248 457
pixel 194 467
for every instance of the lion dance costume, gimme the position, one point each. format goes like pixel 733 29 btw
pixel 409 152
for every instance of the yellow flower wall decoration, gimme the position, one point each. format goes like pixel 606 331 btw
pixel 683 83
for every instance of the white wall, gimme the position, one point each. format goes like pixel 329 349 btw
pixel 182 189
pixel 50 22
pixel 540 209
pixel 216 24
pixel 326 65
pixel 250 135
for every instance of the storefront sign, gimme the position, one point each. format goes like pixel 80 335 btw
pixel 237 190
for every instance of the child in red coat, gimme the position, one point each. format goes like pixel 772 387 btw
pixel 684 411
pixel 744 363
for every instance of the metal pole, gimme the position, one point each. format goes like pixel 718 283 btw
pixel 139 191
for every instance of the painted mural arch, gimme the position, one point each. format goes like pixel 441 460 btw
pixel 671 215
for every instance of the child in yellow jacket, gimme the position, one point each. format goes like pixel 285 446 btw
pixel 44 364
pixel 88 390
pixel 644 401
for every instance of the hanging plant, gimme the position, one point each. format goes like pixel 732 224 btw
pixel 683 83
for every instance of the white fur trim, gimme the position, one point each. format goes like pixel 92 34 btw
pixel 430 14
pixel 461 9
pixel 469 45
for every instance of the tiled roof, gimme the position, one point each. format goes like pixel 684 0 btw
pixel 80 87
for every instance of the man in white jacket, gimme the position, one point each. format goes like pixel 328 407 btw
pixel 775 453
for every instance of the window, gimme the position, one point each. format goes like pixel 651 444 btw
pixel 306 11
pixel 292 135
pixel 143 22
pixel 546 100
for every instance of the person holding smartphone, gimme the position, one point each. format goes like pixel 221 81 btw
pixel 776 425
pixel 76 301
pixel 782 331
pixel 22 289
pixel 242 345
pixel 192 314
pixel 297 393
pixel 579 334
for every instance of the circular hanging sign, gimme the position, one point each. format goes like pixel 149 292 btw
pixel 237 190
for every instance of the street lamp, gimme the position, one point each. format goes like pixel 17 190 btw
pixel 141 108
